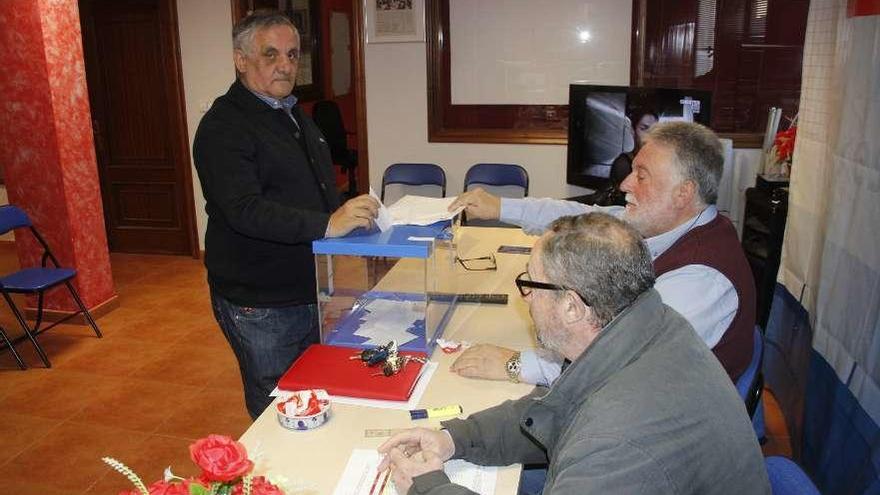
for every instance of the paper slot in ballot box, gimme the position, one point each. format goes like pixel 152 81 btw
pixel 375 287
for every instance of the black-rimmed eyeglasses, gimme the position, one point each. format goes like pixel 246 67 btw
pixel 478 264
pixel 526 284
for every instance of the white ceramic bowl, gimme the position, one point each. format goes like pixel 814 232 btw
pixel 304 422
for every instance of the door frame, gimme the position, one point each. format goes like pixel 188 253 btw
pixel 168 26
pixel 174 67
pixel 360 95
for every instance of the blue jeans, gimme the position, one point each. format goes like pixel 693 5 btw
pixel 532 479
pixel 266 341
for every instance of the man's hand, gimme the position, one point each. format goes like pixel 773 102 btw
pixel 414 452
pixel 406 467
pixel 416 440
pixel 483 361
pixel 478 204
pixel 356 212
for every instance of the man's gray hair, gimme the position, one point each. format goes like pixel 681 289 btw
pixel 698 154
pixel 244 31
pixel 601 258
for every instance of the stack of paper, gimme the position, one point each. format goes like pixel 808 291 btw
pixel 421 210
pixel 362 477
pixel 413 210
pixel 384 320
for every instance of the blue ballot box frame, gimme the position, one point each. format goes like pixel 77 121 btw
pixel 431 245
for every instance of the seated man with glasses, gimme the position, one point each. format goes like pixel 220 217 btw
pixel 619 419
pixel 701 269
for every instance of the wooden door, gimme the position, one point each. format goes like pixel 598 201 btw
pixel 136 95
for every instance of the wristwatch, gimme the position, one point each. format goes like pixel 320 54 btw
pixel 513 366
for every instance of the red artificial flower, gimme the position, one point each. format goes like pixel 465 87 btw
pixel 784 143
pixel 259 486
pixel 221 458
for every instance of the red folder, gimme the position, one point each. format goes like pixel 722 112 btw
pixel 329 367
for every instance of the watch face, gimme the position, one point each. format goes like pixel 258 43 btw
pixel 513 367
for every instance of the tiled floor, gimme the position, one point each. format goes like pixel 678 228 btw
pixel 160 378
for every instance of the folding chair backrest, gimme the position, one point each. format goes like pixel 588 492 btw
pixel 750 382
pixel 498 175
pixel 12 217
pixel 414 174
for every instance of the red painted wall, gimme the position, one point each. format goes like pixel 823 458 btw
pixel 46 142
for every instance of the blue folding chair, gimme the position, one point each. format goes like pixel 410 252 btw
pixel 787 478
pixel 751 383
pixel 37 281
pixel 502 179
pixel 497 174
pixel 414 174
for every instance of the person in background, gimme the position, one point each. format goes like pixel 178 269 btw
pixel 619 419
pixel 267 179
pixel 701 269
pixel 621 167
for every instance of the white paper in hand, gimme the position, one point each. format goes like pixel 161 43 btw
pixel 383 219
pixel 421 210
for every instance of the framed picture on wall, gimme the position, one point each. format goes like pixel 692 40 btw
pixel 394 21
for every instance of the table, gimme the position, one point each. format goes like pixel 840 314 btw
pixel 314 460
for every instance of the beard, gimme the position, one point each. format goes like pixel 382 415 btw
pixel 552 340
pixel 647 219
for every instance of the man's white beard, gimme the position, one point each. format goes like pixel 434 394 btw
pixel 552 343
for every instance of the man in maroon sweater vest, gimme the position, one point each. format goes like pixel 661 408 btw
pixel 701 270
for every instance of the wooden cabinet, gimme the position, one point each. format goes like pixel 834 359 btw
pixel 763 231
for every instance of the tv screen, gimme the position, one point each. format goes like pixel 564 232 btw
pixel 607 124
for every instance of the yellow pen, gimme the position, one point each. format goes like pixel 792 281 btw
pixel 435 412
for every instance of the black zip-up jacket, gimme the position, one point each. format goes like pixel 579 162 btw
pixel 268 197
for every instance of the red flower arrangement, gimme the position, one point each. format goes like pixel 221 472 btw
pixel 225 471
pixel 784 144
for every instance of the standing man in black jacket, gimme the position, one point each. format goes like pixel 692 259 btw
pixel 268 182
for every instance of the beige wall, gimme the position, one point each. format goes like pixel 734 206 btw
pixel 206 55
pixel 397 124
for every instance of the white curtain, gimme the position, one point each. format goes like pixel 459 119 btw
pixel 831 252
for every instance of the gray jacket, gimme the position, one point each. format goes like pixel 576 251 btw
pixel 646 408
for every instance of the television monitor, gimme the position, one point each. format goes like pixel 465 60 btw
pixel 606 122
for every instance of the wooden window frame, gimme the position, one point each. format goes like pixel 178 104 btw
pixel 514 124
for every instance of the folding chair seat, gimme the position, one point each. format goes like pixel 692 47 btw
pixel 787 477
pixel 35 281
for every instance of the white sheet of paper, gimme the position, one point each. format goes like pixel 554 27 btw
pixel 421 210
pixel 386 320
pixel 361 476
pixel 383 219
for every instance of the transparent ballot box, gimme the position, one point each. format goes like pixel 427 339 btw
pixel 393 285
